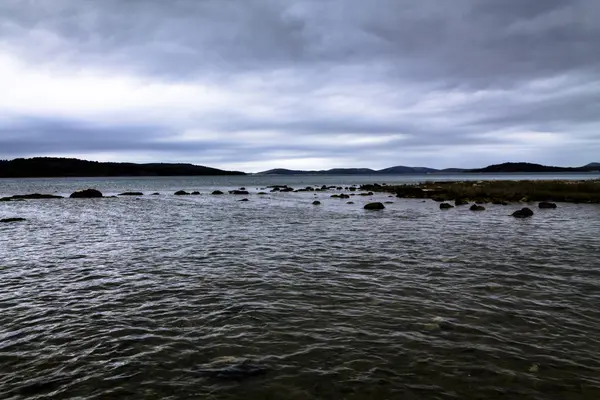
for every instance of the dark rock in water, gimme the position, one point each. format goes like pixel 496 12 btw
pixel 239 192
pixel 461 202
pixel 216 192
pixel 523 213
pixel 439 199
pixel 339 188
pixel 352 189
pixel 287 189
pixel 324 187
pixel 278 187
pixel 366 194
pixel 86 194
pixel 242 188
pixel 445 206
pixel 181 193
pixel 261 193
pixel 238 371
pixel 374 206
pixel 12 219
pixel 388 202
pixel 195 193
pixel 546 204
pixel 349 202
pixel 344 196
pixel 244 200
pixel 476 207
pixel 316 203
pixel 155 194
pixel 131 194
pixel 336 196
pixel 35 196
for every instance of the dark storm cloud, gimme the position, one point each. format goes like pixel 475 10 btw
pixel 509 78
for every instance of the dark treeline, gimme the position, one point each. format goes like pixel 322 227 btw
pixel 72 167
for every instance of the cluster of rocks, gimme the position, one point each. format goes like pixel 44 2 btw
pixel 368 191
pixel 522 213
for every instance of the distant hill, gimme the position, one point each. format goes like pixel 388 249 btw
pixel 40 167
pixel 334 171
pixel 529 167
pixel 353 171
pixel 400 169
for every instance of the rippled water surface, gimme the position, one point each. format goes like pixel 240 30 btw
pixel 174 297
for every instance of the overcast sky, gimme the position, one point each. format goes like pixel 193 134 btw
pixel 305 84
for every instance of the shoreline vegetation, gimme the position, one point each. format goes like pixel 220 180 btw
pixel 53 167
pixel 497 192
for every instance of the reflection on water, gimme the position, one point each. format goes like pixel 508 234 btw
pixel 167 297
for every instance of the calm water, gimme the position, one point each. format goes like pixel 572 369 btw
pixel 167 297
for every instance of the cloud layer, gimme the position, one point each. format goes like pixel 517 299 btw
pixel 260 84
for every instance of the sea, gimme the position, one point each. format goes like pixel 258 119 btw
pixel 209 297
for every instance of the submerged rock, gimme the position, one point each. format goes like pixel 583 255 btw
pixel 155 194
pixel 261 193
pixel 546 204
pixel 476 207
pixel 239 192
pixel 86 194
pixel 12 220
pixel 181 193
pixel 195 193
pixel 445 206
pixel 131 194
pixel 237 371
pixel 217 192
pixel 523 213
pixel 374 206
pixel 349 202
pixel 316 203
pixel 388 202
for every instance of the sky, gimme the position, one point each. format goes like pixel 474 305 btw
pixel 302 84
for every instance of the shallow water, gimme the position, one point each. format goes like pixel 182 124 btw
pixel 165 297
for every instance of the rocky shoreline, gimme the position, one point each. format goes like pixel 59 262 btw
pixel 497 192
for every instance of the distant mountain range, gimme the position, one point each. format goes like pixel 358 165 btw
pixel 498 168
pixel 72 167
pixel 41 167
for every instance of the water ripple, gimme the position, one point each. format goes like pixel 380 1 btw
pixel 207 297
